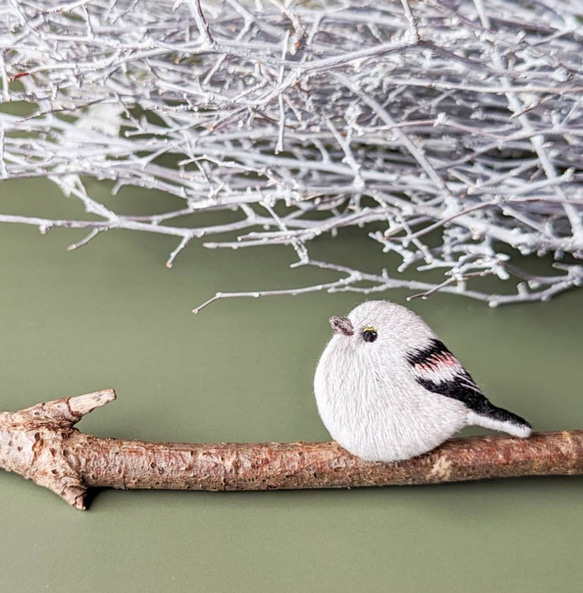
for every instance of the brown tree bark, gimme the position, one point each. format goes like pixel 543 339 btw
pixel 41 444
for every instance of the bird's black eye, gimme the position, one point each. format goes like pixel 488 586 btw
pixel 369 334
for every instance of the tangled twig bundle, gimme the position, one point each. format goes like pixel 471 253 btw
pixel 450 131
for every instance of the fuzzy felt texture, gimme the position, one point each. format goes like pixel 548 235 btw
pixel 401 394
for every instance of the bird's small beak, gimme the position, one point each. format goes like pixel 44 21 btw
pixel 342 325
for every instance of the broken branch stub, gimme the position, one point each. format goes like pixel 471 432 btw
pixel 33 442
pixel 42 444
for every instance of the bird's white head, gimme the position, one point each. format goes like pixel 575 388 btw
pixel 380 325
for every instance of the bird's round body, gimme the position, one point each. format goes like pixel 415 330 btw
pixel 388 389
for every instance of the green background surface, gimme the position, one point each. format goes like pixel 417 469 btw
pixel 111 315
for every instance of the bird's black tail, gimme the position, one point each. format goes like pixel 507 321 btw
pixel 490 416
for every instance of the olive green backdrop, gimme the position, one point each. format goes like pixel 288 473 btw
pixel 111 315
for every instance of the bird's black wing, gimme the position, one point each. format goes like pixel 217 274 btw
pixel 438 370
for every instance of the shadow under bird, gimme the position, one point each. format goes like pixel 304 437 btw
pixel 387 388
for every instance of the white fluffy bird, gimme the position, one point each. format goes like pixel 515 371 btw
pixel 387 388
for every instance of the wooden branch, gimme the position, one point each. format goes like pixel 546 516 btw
pixel 41 444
